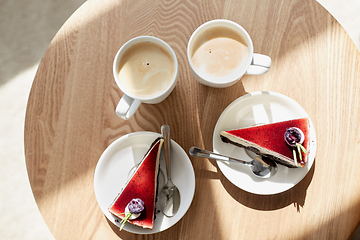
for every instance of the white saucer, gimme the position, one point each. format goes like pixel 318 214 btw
pixel 118 160
pixel 254 109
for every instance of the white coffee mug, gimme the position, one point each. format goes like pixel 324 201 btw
pixel 131 100
pixel 252 63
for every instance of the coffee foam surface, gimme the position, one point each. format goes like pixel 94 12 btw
pixel 146 70
pixel 219 53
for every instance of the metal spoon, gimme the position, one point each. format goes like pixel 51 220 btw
pixel 261 166
pixel 169 196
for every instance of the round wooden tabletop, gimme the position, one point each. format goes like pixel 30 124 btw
pixel 70 118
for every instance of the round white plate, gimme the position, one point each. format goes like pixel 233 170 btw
pixel 254 109
pixel 119 158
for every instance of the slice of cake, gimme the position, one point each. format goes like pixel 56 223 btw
pixel 269 140
pixel 142 185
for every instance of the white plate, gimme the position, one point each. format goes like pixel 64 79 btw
pixel 112 172
pixel 250 110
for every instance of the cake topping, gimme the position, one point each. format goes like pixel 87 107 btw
pixel 132 211
pixel 136 205
pixel 294 137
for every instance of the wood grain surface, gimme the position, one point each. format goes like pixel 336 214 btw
pixel 70 118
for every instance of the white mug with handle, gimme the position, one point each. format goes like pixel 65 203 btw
pixel 146 70
pixel 251 63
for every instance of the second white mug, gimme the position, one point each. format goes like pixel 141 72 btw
pixel 220 52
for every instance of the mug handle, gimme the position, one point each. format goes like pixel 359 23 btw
pixel 260 64
pixel 126 107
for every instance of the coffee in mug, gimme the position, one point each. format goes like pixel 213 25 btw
pixel 146 70
pixel 218 53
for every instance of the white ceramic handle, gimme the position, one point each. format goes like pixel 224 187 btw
pixel 260 64
pixel 127 107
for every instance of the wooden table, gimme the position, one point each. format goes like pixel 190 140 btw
pixel 70 118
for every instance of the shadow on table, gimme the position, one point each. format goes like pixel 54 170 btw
pixel 121 234
pixel 166 234
pixel 296 195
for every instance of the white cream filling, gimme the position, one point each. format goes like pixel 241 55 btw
pixel 262 150
pixel 133 215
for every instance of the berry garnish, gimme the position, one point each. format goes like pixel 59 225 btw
pixel 136 205
pixel 294 137
pixel 132 210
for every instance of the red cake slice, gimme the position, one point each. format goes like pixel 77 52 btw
pixel 143 185
pixel 268 140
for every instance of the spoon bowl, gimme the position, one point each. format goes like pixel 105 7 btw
pixel 260 166
pixel 169 199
